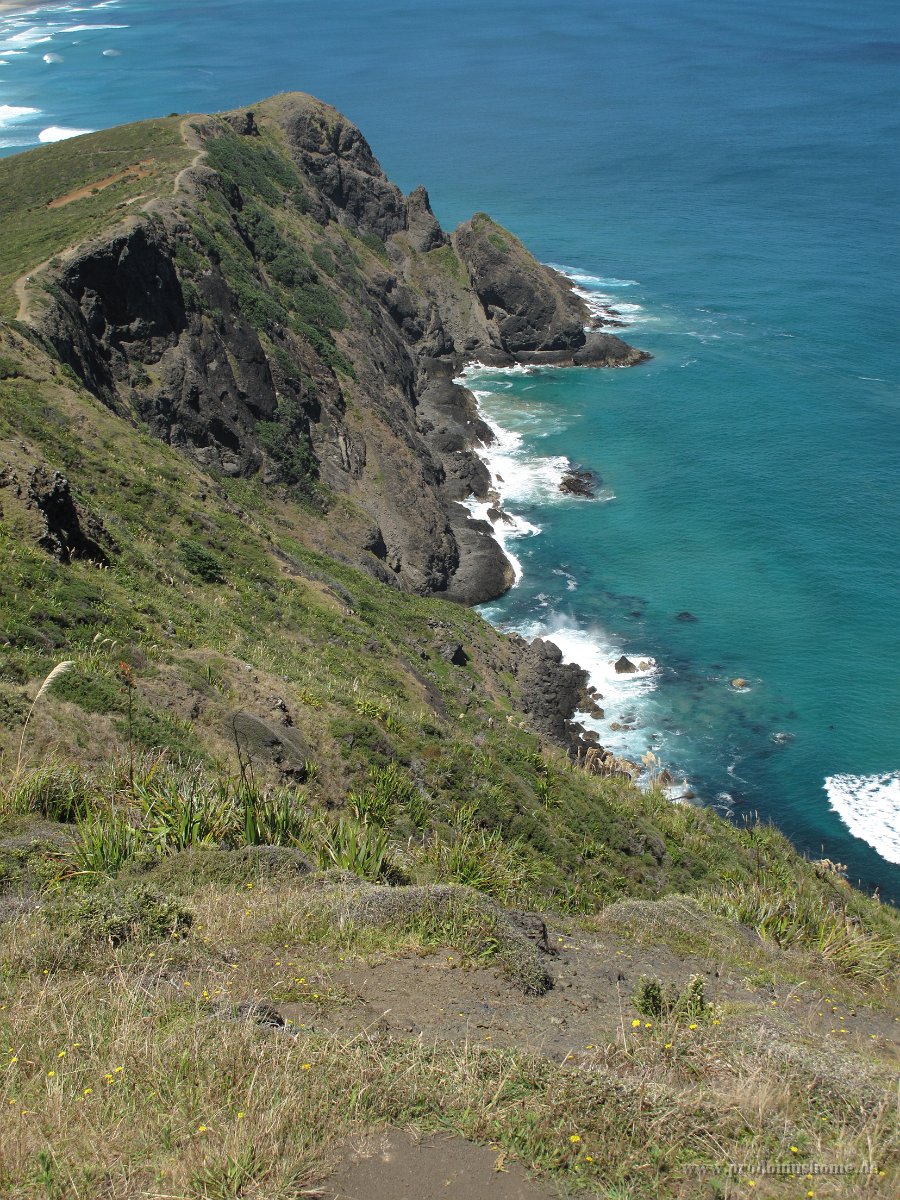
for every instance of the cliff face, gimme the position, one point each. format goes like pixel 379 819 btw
pixel 288 312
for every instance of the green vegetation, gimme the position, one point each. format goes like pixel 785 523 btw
pixel 200 562
pixel 286 442
pixel 139 160
pixel 237 776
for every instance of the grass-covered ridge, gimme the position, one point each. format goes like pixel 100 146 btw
pixel 59 195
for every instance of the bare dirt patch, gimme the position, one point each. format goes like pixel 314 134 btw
pixel 394 1166
pixel 438 997
pixel 139 171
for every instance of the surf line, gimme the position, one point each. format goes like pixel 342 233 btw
pixel 520 476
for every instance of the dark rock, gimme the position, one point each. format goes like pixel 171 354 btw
pixel 686 616
pixel 531 925
pixel 624 666
pixel 423 230
pixel 646 842
pixel 259 741
pixel 578 482
pixel 59 525
pixel 551 690
pixel 243 123
pixel 259 1012
pixel 530 307
pixel 452 652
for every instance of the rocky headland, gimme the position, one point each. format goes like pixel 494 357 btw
pixel 292 850
pixel 286 314
pixel 287 282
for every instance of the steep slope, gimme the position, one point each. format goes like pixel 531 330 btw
pixel 286 311
pixel 269 818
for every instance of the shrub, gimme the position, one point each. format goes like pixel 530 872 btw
pixel 200 562
pixel 652 999
pixel 272 820
pixel 286 443
pixel 184 814
pixel 794 915
pixel 354 846
pixel 389 787
pixel 135 913
pixel 55 791
pixel 106 841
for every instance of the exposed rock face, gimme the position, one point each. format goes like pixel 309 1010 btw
pixel 258 740
pixel 292 313
pixel 40 503
pixel 624 666
pixel 551 690
pixel 578 482
pixel 422 227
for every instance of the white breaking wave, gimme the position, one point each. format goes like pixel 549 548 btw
pixel 85 28
pixel 59 133
pixel 15 43
pixel 595 281
pixel 621 696
pixel 519 476
pixel 869 805
pixel 516 475
pixel 602 304
pixel 13 112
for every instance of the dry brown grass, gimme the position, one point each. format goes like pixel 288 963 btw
pixel 127 1075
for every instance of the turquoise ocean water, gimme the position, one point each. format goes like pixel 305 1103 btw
pixel 724 174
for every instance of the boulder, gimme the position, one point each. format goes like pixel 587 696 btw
pixel 578 482
pixel 278 746
pixel 624 666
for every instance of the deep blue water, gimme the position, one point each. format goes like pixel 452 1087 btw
pixel 730 171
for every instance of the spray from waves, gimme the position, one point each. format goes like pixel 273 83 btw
pixel 13 112
pixel 599 292
pixel 519 477
pixel 869 805
pixel 516 475
pixel 622 696
pixel 59 133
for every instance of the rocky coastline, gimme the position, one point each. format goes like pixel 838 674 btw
pixel 305 322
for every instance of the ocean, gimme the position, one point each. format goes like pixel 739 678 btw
pixel 724 177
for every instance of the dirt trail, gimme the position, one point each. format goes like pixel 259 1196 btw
pixel 436 998
pixel 393 1166
pixel 138 171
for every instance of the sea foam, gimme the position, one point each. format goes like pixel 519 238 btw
pixel 59 133
pixel 519 476
pixel 622 697
pixel 13 112
pixel 869 805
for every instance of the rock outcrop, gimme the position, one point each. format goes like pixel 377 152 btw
pixel 291 313
pixel 38 504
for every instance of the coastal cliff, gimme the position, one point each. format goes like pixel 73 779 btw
pixel 290 845
pixel 288 313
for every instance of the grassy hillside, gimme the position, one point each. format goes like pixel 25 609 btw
pixel 262 832
pixel 69 191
